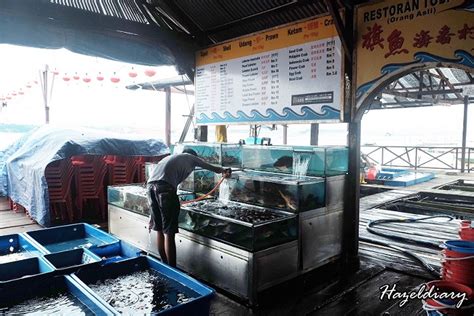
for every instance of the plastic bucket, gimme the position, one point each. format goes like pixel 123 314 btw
pixel 446 305
pixel 462 246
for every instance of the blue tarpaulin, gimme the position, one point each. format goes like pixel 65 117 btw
pixel 26 166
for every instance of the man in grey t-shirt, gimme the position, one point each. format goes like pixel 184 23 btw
pixel 163 200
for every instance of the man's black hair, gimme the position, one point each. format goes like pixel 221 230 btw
pixel 190 151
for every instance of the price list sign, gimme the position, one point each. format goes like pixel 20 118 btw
pixel 286 75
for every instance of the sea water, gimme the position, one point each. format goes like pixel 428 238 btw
pixel 57 304
pixel 85 242
pixel 142 292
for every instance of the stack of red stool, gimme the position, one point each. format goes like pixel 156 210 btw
pixel 89 173
pixel 59 176
pixel 117 172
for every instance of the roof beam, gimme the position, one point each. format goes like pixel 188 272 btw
pixel 341 30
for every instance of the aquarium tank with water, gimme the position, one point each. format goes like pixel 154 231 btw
pixel 268 158
pixel 199 181
pixel 133 197
pixel 297 160
pixel 286 192
pixel 247 227
pixel 226 155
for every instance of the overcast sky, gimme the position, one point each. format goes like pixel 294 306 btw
pixel 108 105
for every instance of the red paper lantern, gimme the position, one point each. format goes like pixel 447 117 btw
pixel 36 81
pixel 21 93
pixel 55 72
pixel 9 97
pixel 115 79
pixel 76 77
pixel 132 73
pixel 86 79
pixel 28 86
pixel 150 72
pixel 100 77
pixel 66 78
pixel 13 93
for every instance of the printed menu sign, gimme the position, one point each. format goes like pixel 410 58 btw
pixel 284 75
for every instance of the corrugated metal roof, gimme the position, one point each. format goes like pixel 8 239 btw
pixel 226 19
pixel 124 9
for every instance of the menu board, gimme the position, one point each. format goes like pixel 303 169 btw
pixel 286 75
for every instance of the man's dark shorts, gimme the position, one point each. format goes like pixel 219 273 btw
pixel 164 207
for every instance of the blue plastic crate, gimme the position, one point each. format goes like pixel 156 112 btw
pixel 196 306
pixel 22 290
pixel 73 236
pixel 16 247
pixel 124 251
pixel 24 268
pixel 70 260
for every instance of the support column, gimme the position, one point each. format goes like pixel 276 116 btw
pixel 168 116
pixel 44 85
pixel 285 134
pixel 314 140
pixel 350 235
pixel 464 134
pixel 201 133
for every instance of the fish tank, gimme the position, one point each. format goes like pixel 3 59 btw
pixel 199 181
pixel 286 192
pixel 248 227
pixel 297 160
pixel 223 154
pixel 131 197
pixel 322 161
pixel 268 158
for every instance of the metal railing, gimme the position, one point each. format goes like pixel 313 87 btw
pixel 421 157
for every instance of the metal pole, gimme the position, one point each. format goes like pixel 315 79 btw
pixel 314 134
pixel 285 134
pixel 464 134
pixel 350 238
pixel 44 83
pixel 168 116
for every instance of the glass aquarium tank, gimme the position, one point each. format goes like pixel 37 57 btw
pixel 199 181
pixel 130 197
pixel 226 155
pixel 286 192
pixel 321 161
pixel 268 158
pixel 247 227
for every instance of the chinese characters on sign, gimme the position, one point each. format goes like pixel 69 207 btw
pixel 394 36
pixel 395 40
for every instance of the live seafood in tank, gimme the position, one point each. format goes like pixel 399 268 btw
pixel 245 226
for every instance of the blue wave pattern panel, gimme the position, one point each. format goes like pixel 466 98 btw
pixel 307 114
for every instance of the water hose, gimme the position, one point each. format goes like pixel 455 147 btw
pixel 205 195
pixel 408 253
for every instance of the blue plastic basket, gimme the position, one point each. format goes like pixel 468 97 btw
pixel 24 268
pixel 70 260
pixel 196 306
pixel 24 289
pixel 18 245
pixel 115 254
pixel 73 236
